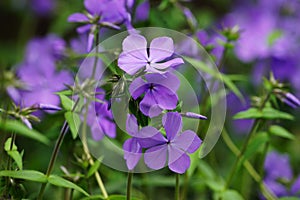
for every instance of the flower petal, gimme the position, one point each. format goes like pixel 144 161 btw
pixel 150 136
pixel 187 141
pixel 108 127
pixel 90 42
pixel 97 131
pixel 137 87
pixel 149 106
pixel 129 63
pixel 155 157
pixel 132 125
pixel 78 17
pixel 84 28
pixel 161 48
pixel 165 98
pixel 179 161
pixel 172 122
pixel 171 63
pixel 93 6
pixel 132 152
pixel 136 45
pixel 169 80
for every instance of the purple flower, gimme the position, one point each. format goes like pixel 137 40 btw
pixel 136 56
pixel 160 92
pixel 173 148
pixel 142 11
pixel 43 7
pixel 108 13
pixel 103 124
pixel 295 189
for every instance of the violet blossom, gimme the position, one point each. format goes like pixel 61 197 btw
pixel 160 92
pixel 172 148
pixel 136 55
pixel 109 13
pixel 101 124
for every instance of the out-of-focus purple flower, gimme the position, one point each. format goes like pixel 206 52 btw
pixel 160 92
pixel 194 115
pixel 291 100
pixel 109 13
pixel 103 124
pixel 295 189
pixel 42 7
pixel 136 56
pixel 142 11
pixel 39 75
pixel 173 148
pixel 278 166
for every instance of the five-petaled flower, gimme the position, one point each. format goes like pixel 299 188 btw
pixel 136 55
pixel 160 92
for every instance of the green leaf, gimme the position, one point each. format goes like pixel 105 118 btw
pixel 216 74
pixel 13 153
pixel 274 36
pixel 266 113
pixel 20 128
pixel 289 198
pixel 255 144
pixel 29 175
pixel 231 195
pixel 66 102
pixel 61 182
pixel 111 197
pixel 281 132
pixel 94 168
pixel 73 120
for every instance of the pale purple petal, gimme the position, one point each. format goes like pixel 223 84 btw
pixel 136 45
pixel 187 141
pixel 132 152
pixel 165 98
pixel 168 80
pixel 93 6
pixel 78 17
pixel 137 87
pixel 84 28
pixel 90 42
pixel 179 161
pixel 172 122
pixel 97 131
pixel 155 157
pixel 149 106
pixel 142 11
pixel 161 48
pixel 194 115
pixel 132 127
pixel 130 64
pixel 171 63
pixel 150 136
pixel 108 127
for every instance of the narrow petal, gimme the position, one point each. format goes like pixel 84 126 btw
pixel 84 28
pixel 129 63
pixel 90 42
pixel 187 141
pixel 93 6
pixel 132 127
pixel 155 157
pixel 171 63
pixel 137 87
pixel 136 45
pixel 179 161
pixel 132 152
pixel 169 80
pixel 161 48
pixel 172 122
pixel 165 98
pixel 78 17
pixel 150 137
pixel 149 106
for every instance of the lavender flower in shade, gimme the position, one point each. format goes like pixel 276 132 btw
pixel 295 189
pixel 173 148
pixel 160 92
pixel 135 55
pixel 38 74
pixel 42 7
pixel 142 11
pixel 103 124
pixel 109 13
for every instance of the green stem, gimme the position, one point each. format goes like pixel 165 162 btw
pixel 177 188
pixel 129 183
pixel 58 143
pixel 253 173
